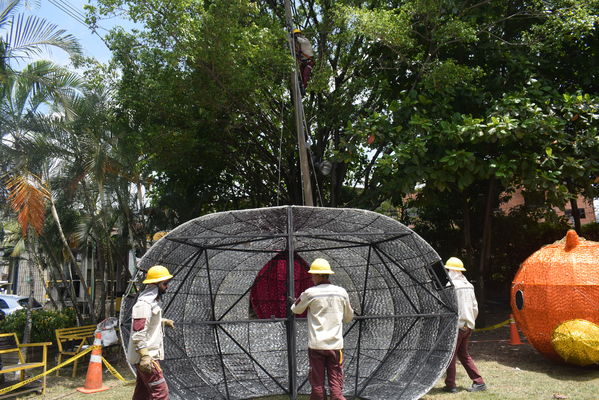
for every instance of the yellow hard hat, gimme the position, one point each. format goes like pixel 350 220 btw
pixel 455 263
pixel 320 266
pixel 297 30
pixel 156 274
pixel 158 235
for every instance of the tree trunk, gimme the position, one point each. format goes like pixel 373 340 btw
pixel 81 275
pixel 469 249
pixel 102 286
pixel 48 292
pixel 337 176
pixel 111 282
pixel 485 252
pixel 28 318
pixel 576 215
pixel 61 304
pixel 70 288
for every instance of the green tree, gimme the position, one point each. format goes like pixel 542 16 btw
pixel 480 107
pixel 208 83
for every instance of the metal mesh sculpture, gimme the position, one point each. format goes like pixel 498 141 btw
pixel 225 345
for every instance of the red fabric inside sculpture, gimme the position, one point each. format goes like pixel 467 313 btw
pixel 269 292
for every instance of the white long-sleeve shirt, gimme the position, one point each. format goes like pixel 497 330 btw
pixel 305 47
pixel 467 305
pixel 328 307
pixel 146 326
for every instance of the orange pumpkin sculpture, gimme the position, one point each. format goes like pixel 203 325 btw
pixel 555 300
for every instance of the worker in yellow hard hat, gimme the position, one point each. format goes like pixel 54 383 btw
pixel 328 308
pixel 467 313
pixel 305 57
pixel 146 346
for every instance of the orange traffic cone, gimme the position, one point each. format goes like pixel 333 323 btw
pixel 514 335
pixel 93 379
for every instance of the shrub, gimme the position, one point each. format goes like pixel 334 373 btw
pixel 43 323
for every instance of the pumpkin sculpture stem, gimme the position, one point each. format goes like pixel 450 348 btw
pixel 571 240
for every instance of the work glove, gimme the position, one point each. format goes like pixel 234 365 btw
pixel 168 322
pixel 146 362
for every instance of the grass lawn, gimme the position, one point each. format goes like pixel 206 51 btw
pixel 511 372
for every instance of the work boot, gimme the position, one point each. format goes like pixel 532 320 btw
pixel 477 387
pixel 450 389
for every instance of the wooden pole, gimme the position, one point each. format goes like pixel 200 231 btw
pixel 308 198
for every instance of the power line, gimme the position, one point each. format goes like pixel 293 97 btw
pixel 68 12
pixel 68 6
pixel 79 17
pixel 72 12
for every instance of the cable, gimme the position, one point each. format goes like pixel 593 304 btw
pixel 79 17
pixel 315 176
pixel 76 15
pixel 68 12
pixel 75 11
pixel 82 16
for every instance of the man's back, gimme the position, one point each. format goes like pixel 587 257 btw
pixel 328 306
pixel 467 304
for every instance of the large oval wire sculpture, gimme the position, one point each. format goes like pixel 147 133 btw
pixel 226 346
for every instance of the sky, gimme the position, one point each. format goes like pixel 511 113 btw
pixel 68 15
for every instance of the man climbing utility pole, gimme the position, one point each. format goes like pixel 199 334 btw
pixel 305 57
pixel 299 116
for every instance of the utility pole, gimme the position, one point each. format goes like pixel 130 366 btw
pixel 299 116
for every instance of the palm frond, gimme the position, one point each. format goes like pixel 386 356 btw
pixel 41 82
pixel 29 36
pixel 27 197
pixel 6 10
pixel 46 137
pixel 84 229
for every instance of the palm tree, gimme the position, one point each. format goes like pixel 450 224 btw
pixel 26 37
pixel 21 94
pixel 98 174
pixel 39 83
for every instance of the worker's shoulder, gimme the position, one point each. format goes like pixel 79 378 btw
pixel 141 305
pixel 462 284
pixel 326 289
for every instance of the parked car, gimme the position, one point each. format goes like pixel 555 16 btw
pixel 9 303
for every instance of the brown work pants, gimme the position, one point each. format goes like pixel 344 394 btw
pixel 461 353
pixel 306 66
pixel 150 386
pixel 330 361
